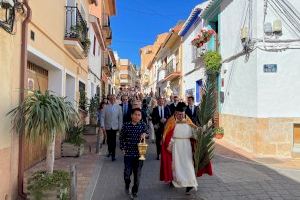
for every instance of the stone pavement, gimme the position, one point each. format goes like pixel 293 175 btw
pixel 235 177
pixel 87 167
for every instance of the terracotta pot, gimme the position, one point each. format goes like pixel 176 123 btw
pixel 219 136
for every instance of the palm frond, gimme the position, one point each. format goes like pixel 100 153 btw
pixel 42 114
pixel 205 143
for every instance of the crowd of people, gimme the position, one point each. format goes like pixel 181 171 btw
pixel 170 124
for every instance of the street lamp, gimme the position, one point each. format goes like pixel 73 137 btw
pixel 7 15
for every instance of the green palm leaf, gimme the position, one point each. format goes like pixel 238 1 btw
pixel 205 143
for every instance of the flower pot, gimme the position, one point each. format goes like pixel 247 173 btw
pixel 219 136
pixel 71 150
pixel 90 130
pixel 57 193
pixel 41 186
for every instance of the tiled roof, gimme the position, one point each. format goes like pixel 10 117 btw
pixel 192 18
pixel 209 5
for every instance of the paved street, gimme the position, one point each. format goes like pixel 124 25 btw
pixel 234 177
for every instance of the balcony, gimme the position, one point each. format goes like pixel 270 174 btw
pixel 172 71
pixel 105 22
pixel 107 65
pixel 108 39
pixel 76 33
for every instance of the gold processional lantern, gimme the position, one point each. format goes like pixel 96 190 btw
pixel 143 146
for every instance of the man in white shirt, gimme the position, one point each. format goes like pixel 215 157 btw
pixel 111 122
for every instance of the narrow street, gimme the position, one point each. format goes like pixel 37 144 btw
pixel 235 177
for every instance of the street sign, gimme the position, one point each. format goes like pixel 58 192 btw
pixel 270 68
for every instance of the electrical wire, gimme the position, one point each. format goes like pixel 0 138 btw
pixel 292 8
pixel 284 20
pixel 150 13
pixel 286 15
pixel 237 45
pixel 288 11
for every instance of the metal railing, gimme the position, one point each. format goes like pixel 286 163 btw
pixel 170 68
pixel 105 20
pixel 76 26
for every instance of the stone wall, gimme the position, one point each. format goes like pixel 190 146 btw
pixel 262 136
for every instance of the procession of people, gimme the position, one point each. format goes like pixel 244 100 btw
pixel 171 125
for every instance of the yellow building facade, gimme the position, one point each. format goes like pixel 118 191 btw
pixel 165 65
pixel 10 52
pixel 148 70
pixel 55 58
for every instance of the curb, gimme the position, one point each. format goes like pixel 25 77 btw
pixel 89 192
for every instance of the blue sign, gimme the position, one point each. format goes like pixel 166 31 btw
pixel 270 68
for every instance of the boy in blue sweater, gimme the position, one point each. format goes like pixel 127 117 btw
pixel 131 134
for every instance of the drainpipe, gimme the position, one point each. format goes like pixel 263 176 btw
pixel 23 65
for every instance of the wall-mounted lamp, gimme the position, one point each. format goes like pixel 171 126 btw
pixel 7 15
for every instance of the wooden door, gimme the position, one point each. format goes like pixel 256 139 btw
pixel 297 135
pixel 37 79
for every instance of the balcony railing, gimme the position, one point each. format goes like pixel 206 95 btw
pixel 105 20
pixel 76 26
pixel 170 68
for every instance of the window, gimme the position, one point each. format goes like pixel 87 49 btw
pixel 92 89
pixel 94 47
pixel 82 97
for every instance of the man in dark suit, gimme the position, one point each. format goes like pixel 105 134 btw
pixel 174 104
pixel 160 115
pixel 126 108
pixel 191 110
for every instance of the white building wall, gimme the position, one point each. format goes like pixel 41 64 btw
pixel 94 65
pixel 240 79
pixel 189 77
pixel 278 93
pixel 249 91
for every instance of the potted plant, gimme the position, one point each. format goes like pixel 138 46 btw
pixel 212 62
pixel 43 115
pixel 41 185
pixel 79 31
pixel 203 37
pixel 93 107
pixel 86 43
pixel 73 146
pixel 218 132
pixel 83 100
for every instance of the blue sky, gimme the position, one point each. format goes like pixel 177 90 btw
pixel 138 22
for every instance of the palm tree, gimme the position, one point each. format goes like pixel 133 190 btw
pixel 43 115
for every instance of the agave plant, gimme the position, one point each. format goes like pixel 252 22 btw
pixel 205 144
pixel 43 115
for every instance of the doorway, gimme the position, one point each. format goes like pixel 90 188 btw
pixel 198 90
pixel 296 138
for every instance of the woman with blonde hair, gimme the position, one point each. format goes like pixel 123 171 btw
pixel 153 104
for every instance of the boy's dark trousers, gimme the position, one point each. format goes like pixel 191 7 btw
pixel 132 164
